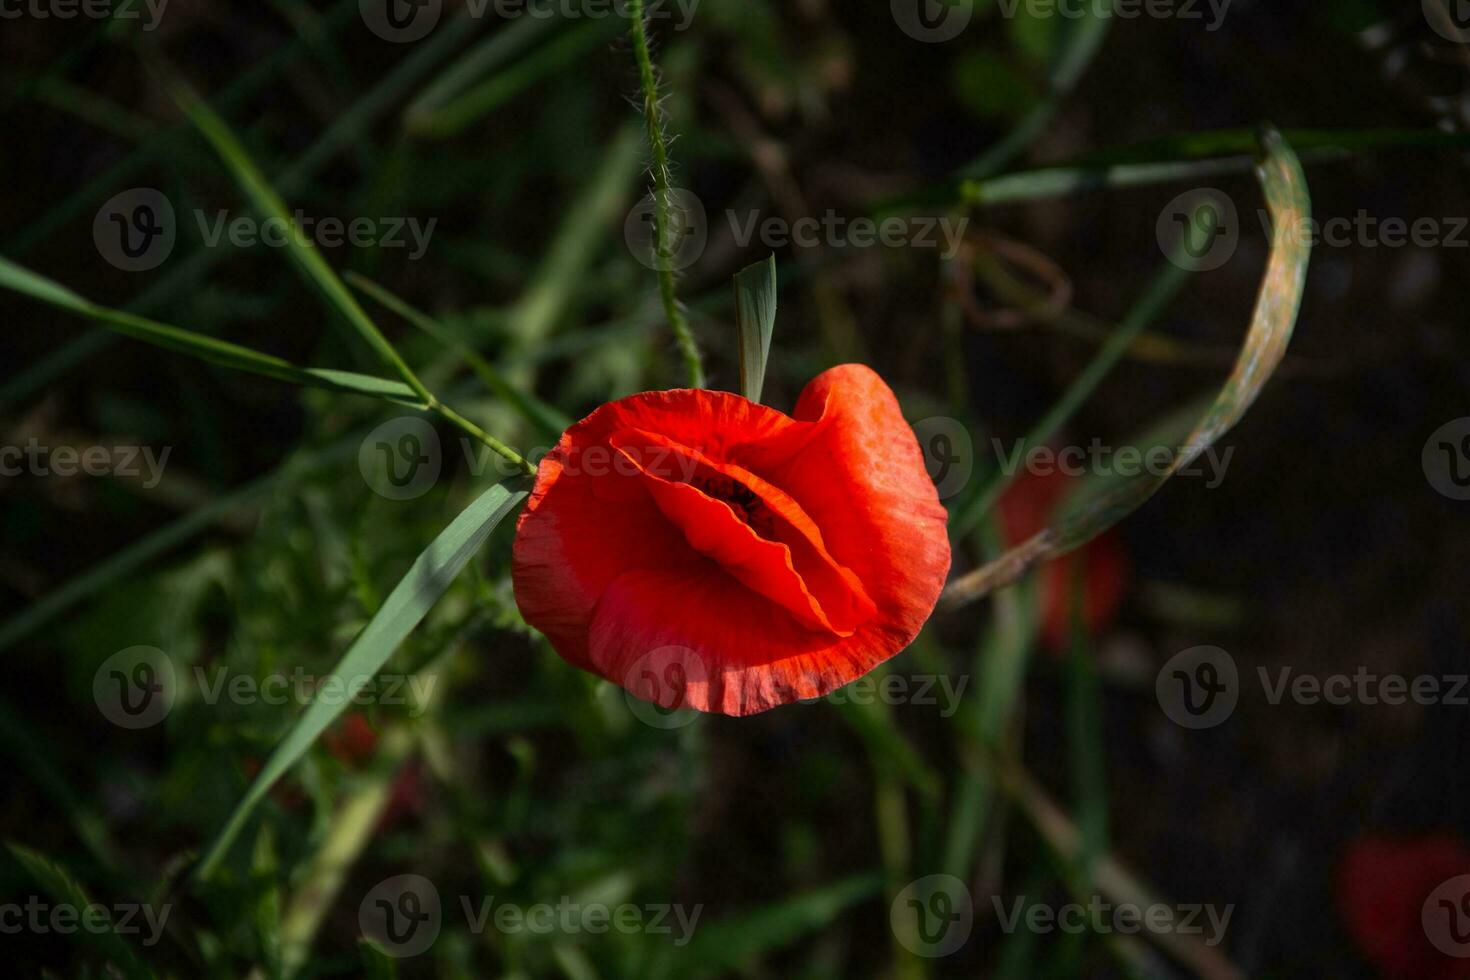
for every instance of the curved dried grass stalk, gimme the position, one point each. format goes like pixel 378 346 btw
pixel 1277 303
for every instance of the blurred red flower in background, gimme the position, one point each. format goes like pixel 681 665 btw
pixel 1026 507
pixel 709 552
pixel 1383 885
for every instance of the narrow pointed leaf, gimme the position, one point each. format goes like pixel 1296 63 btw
pixel 221 352
pixel 1277 303
pixel 62 889
pixel 407 605
pixel 308 260
pixel 723 947
pixel 755 320
pixel 548 419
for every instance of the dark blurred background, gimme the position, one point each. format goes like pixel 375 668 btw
pixel 1327 548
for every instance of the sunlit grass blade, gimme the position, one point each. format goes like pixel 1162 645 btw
pixel 135 556
pixel 345 128
pixel 213 350
pixel 1111 879
pixel 1186 157
pixel 721 948
pixel 298 246
pixel 376 964
pixel 1265 344
pixel 163 143
pixel 1001 660
pixel 325 873
pixel 755 320
pixel 64 890
pixel 1190 156
pixel 315 268
pixel 1085 731
pixel 1083 40
pixel 1166 284
pixel 547 419
pixel 408 603
pixel 500 46
pixel 603 197
pixel 470 107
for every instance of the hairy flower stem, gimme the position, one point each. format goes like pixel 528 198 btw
pixel 653 116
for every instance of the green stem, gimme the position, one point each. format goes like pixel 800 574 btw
pixel 653 116
pixel 315 268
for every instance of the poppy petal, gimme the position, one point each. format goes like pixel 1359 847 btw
pixel 826 559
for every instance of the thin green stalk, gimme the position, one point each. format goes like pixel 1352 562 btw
pixel 653 116
pixel 547 419
pixel 1165 286
pixel 315 268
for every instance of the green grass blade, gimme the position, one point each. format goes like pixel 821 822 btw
pixel 503 44
pixel 1081 45
pixel 602 198
pixel 345 128
pixel 63 889
pixel 1165 286
pixel 125 562
pixel 720 948
pixel 308 260
pixel 1272 322
pixel 408 603
pixel 1001 660
pixel 545 418
pixel 755 320
pixel 376 964
pixel 221 352
pixel 492 93
pixel 1085 732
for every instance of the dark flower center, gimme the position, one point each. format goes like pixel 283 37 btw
pixel 745 502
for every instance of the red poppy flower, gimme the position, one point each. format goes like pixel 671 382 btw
pixel 708 552
pixel 1026 508
pixel 352 739
pixel 1383 887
